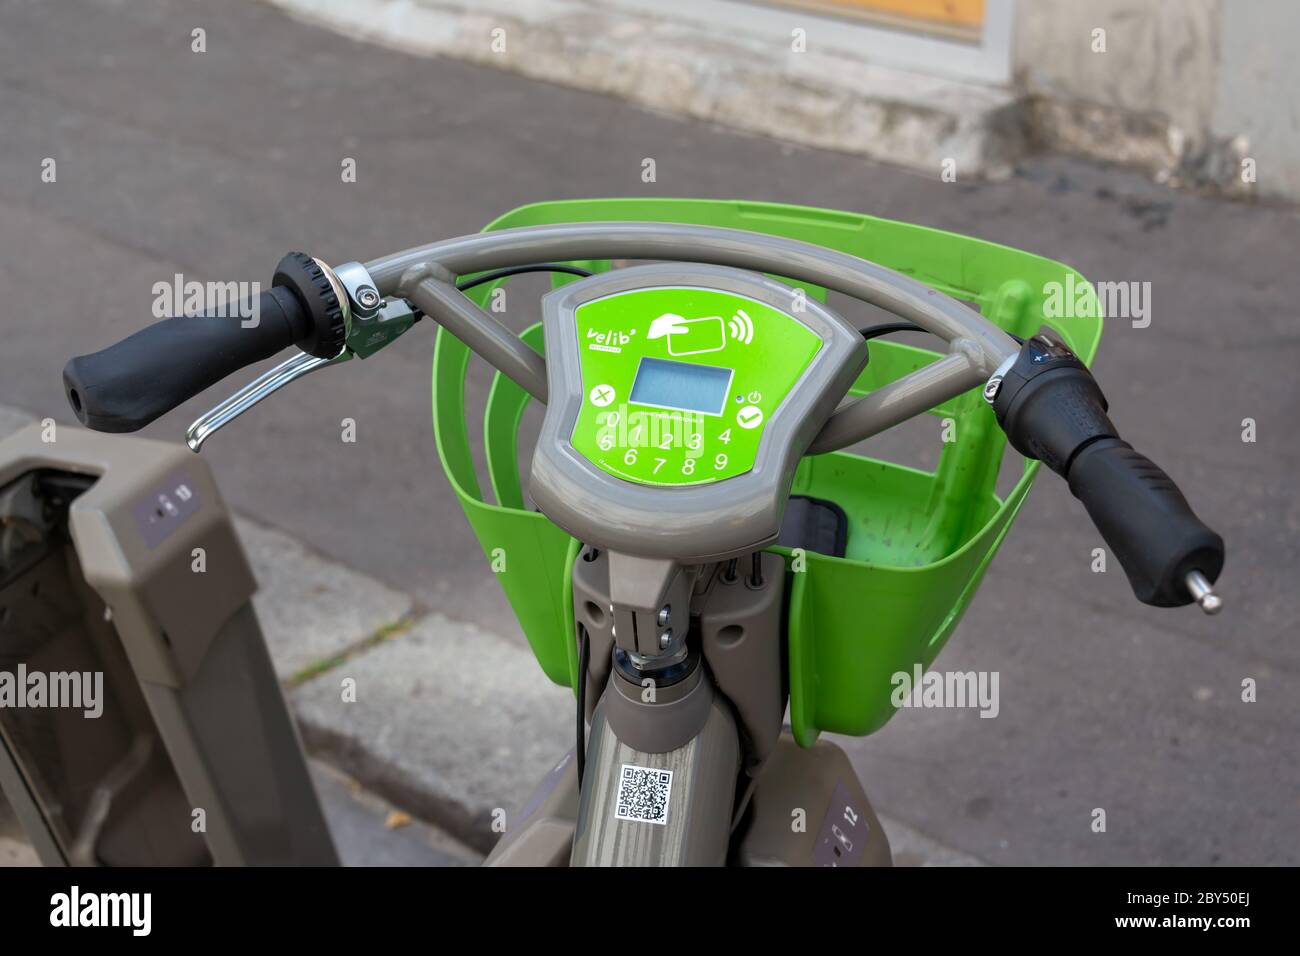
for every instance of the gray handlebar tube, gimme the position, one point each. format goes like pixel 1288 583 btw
pixel 979 346
pixel 482 332
pixel 896 402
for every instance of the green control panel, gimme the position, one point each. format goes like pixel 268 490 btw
pixel 679 382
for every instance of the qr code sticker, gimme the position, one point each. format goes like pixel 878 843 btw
pixel 643 794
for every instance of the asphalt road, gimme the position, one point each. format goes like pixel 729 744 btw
pixel 213 165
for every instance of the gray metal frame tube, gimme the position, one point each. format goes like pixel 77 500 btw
pixel 482 332
pixel 979 345
pixel 896 402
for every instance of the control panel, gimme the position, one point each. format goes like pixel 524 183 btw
pixel 680 398
pixel 679 383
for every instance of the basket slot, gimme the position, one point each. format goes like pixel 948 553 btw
pixel 501 419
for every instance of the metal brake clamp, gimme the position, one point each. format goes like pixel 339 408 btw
pixel 372 324
pixel 994 384
pixel 375 322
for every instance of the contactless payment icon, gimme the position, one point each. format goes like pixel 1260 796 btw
pixel 689 336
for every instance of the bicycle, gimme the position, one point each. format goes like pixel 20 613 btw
pixel 696 521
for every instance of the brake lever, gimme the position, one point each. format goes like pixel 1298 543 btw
pixel 371 322
pixel 261 387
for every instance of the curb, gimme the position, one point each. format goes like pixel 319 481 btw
pixel 452 723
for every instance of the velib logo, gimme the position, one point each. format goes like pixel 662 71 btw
pixel 36 689
pixel 946 689
pixel 609 340
pixel 74 908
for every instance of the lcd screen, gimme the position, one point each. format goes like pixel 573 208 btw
pixel 681 385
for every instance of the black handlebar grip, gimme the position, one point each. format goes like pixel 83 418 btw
pixel 1145 520
pixel 129 384
pixel 1052 409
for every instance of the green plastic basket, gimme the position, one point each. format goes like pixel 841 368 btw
pixel 918 542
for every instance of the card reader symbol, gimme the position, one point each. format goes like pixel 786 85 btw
pixel 706 334
pixel 689 336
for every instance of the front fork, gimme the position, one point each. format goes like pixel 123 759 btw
pixel 685 663
pixel 658 807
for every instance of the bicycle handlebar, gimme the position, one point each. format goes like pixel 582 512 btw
pixel 1045 399
pixel 1147 522
pixel 126 386
pixel 978 345
pixel 898 294
pixel 1053 410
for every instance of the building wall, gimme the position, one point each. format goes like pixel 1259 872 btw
pixel 1258 90
pixel 1161 55
pixel 1191 87
pixel 1186 89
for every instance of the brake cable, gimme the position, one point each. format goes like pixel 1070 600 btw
pixel 888 328
pixel 466 284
